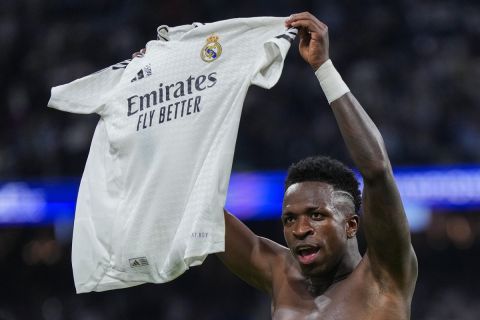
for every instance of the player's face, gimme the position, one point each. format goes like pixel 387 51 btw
pixel 315 231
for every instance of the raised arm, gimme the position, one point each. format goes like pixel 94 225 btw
pixel 249 256
pixel 385 224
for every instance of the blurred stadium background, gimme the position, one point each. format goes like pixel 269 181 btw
pixel 414 65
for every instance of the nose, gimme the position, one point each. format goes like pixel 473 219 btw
pixel 302 228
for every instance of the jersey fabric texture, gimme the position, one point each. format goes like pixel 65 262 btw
pixel 151 198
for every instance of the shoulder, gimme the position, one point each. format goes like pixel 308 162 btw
pixel 282 263
pixel 401 281
pixel 275 252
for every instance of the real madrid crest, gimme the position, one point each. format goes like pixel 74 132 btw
pixel 212 50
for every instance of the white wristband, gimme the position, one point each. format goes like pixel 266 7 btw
pixel 331 82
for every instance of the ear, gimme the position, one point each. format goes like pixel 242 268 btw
pixel 351 226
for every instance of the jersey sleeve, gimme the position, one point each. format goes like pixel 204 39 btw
pixel 87 94
pixel 271 57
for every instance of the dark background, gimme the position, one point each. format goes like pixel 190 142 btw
pixel 414 65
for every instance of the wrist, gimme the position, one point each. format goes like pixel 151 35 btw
pixel 331 82
pixel 319 63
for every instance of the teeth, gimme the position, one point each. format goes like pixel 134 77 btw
pixel 306 247
pixel 306 250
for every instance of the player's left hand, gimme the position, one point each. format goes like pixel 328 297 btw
pixel 139 54
pixel 314 43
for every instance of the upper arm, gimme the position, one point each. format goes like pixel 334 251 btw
pixel 385 223
pixel 386 229
pixel 247 255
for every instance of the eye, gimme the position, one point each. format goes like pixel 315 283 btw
pixel 316 215
pixel 288 219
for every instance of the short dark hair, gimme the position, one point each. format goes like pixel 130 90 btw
pixel 328 170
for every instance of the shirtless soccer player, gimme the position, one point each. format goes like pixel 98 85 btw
pixel 321 275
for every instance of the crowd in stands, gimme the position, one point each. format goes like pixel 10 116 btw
pixel 413 64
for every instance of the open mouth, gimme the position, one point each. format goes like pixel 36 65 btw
pixel 306 254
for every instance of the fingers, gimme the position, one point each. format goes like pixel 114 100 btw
pixel 313 34
pixel 139 54
pixel 304 37
pixel 305 20
pixel 304 16
pixel 309 26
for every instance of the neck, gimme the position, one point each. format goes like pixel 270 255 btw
pixel 318 284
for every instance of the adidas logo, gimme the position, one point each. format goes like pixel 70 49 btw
pixel 138 262
pixel 146 71
pixel 135 263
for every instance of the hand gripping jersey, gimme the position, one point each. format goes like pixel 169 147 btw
pixel 150 203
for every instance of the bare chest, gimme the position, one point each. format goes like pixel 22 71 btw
pixel 346 300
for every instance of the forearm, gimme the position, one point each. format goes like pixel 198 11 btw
pixel 360 134
pixel 385 220
pixel 384 217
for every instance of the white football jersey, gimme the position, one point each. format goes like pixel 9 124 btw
pixel 151 199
